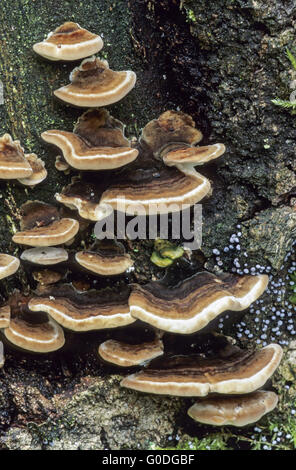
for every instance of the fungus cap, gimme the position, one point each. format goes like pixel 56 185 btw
pixel 194 155
pixel 56 233
pixel 169 191
pixel 90 310
pixel 193 303
pixel 103 264
pixel 13 164
pixel 81 156
pixel 94 84
pixel 171 129
pixel 45 256
pixel 69 42
pixel 238 373
pixel 235 410
pixel 39 172
pixel 40 337
pixel 129 355
pixel 8 265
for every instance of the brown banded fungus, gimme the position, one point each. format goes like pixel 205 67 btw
pixel 69 42
pixel 41 226
pixel 104 264
pixel 30 331
pixel 13 163
pixel 233 372
pixel 8 265
pixel 39 172
pixel 93 84
pixel 193 303
pixel 129 355
pixel 90 310
pixel 235 410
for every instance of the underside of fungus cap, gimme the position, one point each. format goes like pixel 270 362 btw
pixel 171 129
pixel 194 155
pixel 104 264
pixel 239 372
pixel 90 310
pixel 129 355
pixel 5 316
pixel 8 265
pixel 13 164
pixel 69 42
pixel 42 226
pixel 234 410
pixel 30 331
pixel 39 172
pixel 93 84
pixel 146 192
pixel 194 302
pixel 45 256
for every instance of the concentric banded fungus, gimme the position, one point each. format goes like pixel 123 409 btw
pixel 69 42
pixel 30 331
pixel 8 265
pixel 4 316
pixel 45 256
pixel 238 373
pixel 90 310
pixel 193 303
pixel 234 411
pixel 141 192
pixel 104 264
pixel 94 84
pixel 194 155
pixel 42 226
pixel 13 164
pixel 84 197
pixel 172 129
pixel 129 355
pixel 98 143
pixel 39 172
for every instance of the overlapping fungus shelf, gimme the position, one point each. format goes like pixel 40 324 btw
pixel 235 372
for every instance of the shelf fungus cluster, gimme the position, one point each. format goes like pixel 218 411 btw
pixel 154 175
pixel 28 169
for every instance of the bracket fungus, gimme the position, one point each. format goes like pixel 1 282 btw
pixel 235 410
pixel 90 310
pixel 32 332
pixel 97 143
pixel 42 226
pixel 8 265
pixel 45 256
pixel 235 372
pixel 13 163
pixel 39 172
pixel 193 303
pixel 104 264
pixel 130 355
pixel 69 42
pixel 93 84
